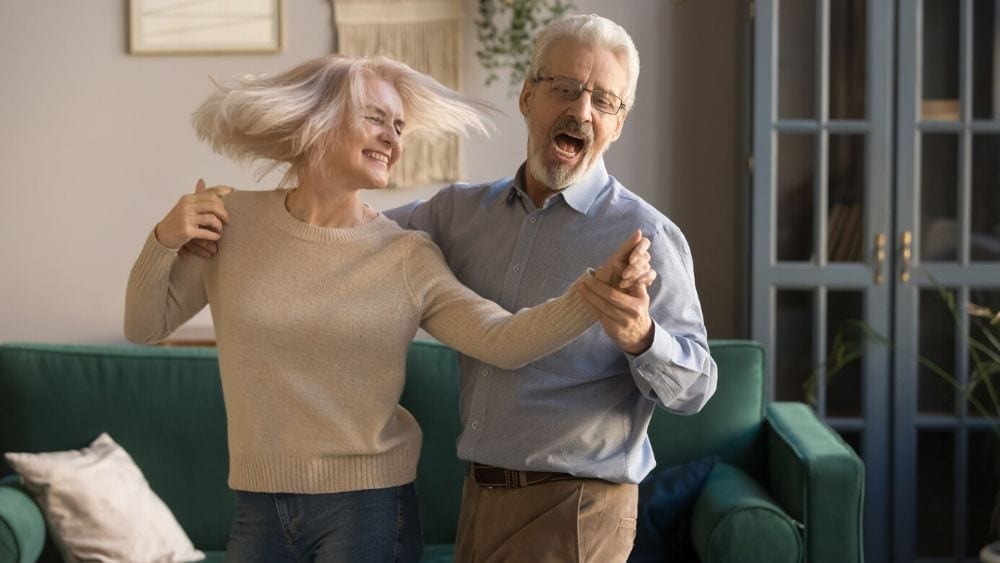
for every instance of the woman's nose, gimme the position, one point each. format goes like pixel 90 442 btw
pixel 390 137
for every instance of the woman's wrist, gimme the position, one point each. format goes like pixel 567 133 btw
pixel 165 243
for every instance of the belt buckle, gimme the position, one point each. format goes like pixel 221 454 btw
pixel 472 471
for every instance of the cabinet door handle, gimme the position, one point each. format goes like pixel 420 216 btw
pixel 879 258
pixel 904 274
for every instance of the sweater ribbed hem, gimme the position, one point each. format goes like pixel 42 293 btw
pixel 337 474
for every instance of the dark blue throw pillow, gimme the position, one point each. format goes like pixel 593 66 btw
pixel 666 500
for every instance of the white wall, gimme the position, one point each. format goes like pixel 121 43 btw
pixel 97 146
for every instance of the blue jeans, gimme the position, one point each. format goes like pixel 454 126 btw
pixel 377 525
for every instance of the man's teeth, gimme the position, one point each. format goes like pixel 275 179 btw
pixel 566 154
pixel 381 157
pixel 567 146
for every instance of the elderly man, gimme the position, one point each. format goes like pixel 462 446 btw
pixel 555 449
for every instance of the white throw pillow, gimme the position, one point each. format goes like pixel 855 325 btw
pixel 100 507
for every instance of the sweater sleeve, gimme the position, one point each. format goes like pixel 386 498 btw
pixel 478 327
pixel 164 291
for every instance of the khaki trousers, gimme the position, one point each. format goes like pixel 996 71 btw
pixel 585 520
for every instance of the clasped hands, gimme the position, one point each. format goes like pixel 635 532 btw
pixel 619 297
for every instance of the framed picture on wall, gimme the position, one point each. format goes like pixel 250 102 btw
pixel 188 27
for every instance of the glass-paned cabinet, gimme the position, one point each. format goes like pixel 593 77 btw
pixel 876 219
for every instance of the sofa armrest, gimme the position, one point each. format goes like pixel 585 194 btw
pixel 735 520
pixel 22 526
pixel 819 480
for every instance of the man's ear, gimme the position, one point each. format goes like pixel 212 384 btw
pixel 524 100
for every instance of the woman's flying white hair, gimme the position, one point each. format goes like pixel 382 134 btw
pixel 293 118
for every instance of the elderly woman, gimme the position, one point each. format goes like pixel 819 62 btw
pixel 315 298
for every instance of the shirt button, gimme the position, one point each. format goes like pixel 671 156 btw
pixel 486 371
pixel 475 425
pixel 517 267
pixel 533 219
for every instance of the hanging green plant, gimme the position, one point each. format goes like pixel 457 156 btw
pixel 506 30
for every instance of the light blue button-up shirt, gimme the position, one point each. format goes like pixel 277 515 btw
pixel 582 410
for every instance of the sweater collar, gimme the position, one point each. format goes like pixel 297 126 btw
pixel 298 229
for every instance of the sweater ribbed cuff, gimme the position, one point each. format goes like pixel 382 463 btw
pixel 572 316
pixel 153 261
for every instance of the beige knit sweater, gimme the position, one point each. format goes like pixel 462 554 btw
pixel 312 326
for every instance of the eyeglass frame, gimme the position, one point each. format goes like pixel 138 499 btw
pixel 581 88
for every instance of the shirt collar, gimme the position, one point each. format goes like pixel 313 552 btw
pixel 579 196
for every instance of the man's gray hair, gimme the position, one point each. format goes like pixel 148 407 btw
pixel 591 30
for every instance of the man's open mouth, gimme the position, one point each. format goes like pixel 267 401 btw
pixel 567 145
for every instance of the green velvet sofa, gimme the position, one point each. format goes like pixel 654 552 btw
pixel 786 488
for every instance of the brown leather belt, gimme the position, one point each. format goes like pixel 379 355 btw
pixel 490 477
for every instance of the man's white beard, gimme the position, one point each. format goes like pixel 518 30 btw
pixel 555 176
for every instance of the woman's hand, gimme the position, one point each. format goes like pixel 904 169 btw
pixel 200 215
pixel 617 293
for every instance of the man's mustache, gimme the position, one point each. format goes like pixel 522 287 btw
pixel 584 131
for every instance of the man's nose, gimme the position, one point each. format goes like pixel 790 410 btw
pixel 581 108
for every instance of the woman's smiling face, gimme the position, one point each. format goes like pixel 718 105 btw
pixel 366 156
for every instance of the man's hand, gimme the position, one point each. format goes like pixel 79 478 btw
pixel 196 219
pixel 624 311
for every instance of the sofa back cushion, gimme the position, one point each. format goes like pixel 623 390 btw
pixel 163 405
pixel 730 425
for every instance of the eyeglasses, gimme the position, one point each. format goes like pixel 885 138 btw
pixel 604 102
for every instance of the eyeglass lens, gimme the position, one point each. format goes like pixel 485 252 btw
pixel 571 90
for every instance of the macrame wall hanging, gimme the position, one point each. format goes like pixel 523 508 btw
pixel 425 34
